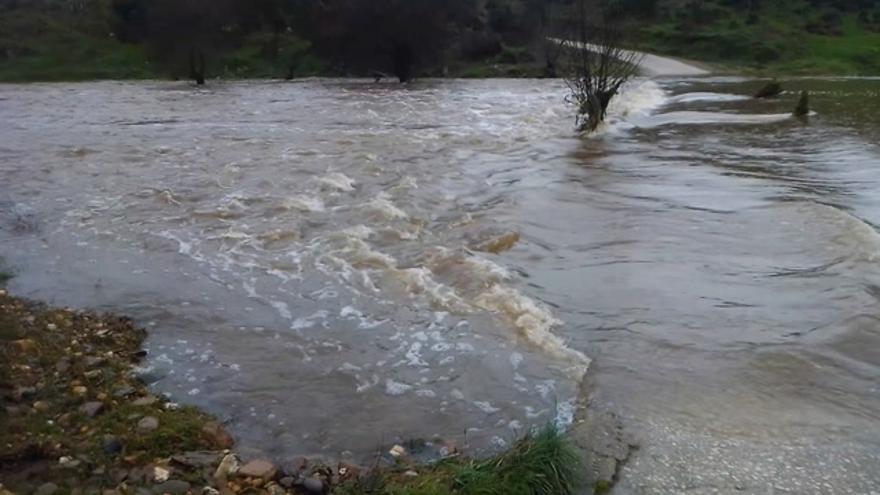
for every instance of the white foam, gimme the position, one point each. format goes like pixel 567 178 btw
pixel 338 181
pixel 535 323
pixel 396 388
pixel 486 407
pixel 386 208
pixel 421 281
pixel 304 203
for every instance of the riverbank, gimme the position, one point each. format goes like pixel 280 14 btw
pixel 75 418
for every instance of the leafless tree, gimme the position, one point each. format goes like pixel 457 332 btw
pixel 597 64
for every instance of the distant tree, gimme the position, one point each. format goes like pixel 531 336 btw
pixel 398 36
pixel 185 33
pixel 598 65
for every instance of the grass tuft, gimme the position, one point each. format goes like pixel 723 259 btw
pixel 542 463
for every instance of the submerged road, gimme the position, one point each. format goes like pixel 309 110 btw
pixel 650 64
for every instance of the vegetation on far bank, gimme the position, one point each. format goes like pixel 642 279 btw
pixel 134 39
pixel 74 418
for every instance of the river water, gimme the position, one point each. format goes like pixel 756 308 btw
pixel 332 266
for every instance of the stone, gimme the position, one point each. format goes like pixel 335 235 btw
pixel 298 466
pixel 228 466
pixel 171 487
pixel 92 409
pixel 124 392
pixel 287 481
pixel 79 390
pixel 68 462
pixel 145 401
pixel 41 406
pixel 313 486
pixel 397 451
pixel 161 474
pixel 46 489
pixel 112 445
pixel 196 459
pixel 93 374
pixel 348 471
pixel 410 473
pixel 23 345
pixel 274 489
pixel 62 365
pixel 148 423
pixel 210 491
pixel 22 393
pixel 259 468
pixel 93 361
pixel 217 435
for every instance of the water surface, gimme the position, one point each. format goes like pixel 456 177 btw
pixel 312 259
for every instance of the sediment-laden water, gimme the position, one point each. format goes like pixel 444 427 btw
pixel 334 265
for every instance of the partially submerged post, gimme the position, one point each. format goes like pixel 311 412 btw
pixel 803 107
pixel 197 72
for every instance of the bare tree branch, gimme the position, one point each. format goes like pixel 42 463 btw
pixel 598 65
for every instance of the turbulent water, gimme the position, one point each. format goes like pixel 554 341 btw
pixel 335 265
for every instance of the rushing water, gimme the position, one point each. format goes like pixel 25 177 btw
pixel 313 260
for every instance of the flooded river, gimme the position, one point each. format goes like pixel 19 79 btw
pixel 332 266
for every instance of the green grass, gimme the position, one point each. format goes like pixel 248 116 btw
pixel 47 47
pixel 776 41
pixel 542 463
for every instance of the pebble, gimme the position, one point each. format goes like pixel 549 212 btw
pixel 92 409
pixel 80 390
pixel 124 391
pixel 145 401
pixel 92 374
pixel 274 489
pixel 93 361
pixel 62 365
pixel 229 465
pixel 313 486
pixel 348 471
pixel 218 435
pixel 160 474
pixel 41 406
pixel 397 451
pixel 46 489
pixel 68 462
pixel 298 465
pixel 148 423
pixel 112 445
pixel 196 459
pixel 23 345
pixel 258 468
pixel 173 487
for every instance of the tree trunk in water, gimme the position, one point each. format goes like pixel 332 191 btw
pixel 402 59
pixel 197 73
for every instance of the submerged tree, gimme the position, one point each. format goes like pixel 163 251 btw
pixel 183 33
pixel 598 65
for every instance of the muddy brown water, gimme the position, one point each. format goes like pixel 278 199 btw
pixel 306 257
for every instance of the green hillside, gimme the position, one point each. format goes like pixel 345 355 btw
pixel 130 39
